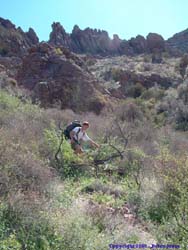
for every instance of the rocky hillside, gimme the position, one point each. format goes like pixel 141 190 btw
pixel 13 41
pixel 126 76
pixel 178 43
pixel 58 77
pixel 82 70
pixel 129 190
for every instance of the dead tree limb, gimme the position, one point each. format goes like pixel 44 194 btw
pixel 126 138
pixel 59 147
pixel 118 151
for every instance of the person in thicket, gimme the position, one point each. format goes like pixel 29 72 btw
pixel 76 133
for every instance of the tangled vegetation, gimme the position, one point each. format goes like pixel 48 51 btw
pixel 131 190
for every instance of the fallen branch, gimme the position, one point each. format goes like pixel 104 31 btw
pixel 102 161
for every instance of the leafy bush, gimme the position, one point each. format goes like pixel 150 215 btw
pixel 61 154
pixel 33 231
pixel 10 243
pixel 153 92
pixel 171 207
pixel 134 90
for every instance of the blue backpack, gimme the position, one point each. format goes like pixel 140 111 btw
pixel 70 127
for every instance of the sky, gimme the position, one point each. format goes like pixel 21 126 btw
pixel 127 18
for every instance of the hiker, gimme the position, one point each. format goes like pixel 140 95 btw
pixel 77 134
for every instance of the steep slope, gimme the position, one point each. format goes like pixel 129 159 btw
pixel 58 77
pixel 123 76
pixel 178 43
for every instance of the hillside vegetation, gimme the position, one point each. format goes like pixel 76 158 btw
pixel 134 94
pixel 131 190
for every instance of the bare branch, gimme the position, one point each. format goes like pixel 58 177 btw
pixel 126 139
pixel 179 224
pixel 102 161
pixel 59 148
pixel 120 153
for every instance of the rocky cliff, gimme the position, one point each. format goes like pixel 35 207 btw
pixel 98 42
pixel 178 44
pixel 56 72
pixel 13 41
pixel 56 76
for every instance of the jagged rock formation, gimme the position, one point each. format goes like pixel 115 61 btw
pixel 57 76
pixel 155 43
pixel 13 41
pixel 178 44
pixel 85 41
pixel 139 44
pixel 97 42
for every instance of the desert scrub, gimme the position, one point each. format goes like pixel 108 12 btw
pixel 154 92
pixel 108 200
pixel 169 207
pixel 134 90
pixel 33 231
pixel 13 110
pixel 62 157
pixel 10 243
pixel 80 233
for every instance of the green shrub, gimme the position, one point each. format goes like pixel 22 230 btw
pixel 62 156
pixel 3 51
pixel 153 92
pixel 172 207
pixel 33 231
pixel 135 90
pixel 10 243
pixel 80 233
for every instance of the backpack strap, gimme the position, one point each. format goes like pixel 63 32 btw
pixel 78 133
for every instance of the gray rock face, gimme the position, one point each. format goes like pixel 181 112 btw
pixel 59 37
pixel 6 23
pixel 91 41
pixel 13 41
pixel 139 44
pixel 178 44
pixel 155 43
pixel 32 36
pixel 98 42
pixel 55 75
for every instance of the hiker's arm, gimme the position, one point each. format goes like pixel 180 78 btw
pixel 72 133
pixel 94 144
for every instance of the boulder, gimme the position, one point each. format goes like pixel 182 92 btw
pixel 139 44
pixel 155 42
